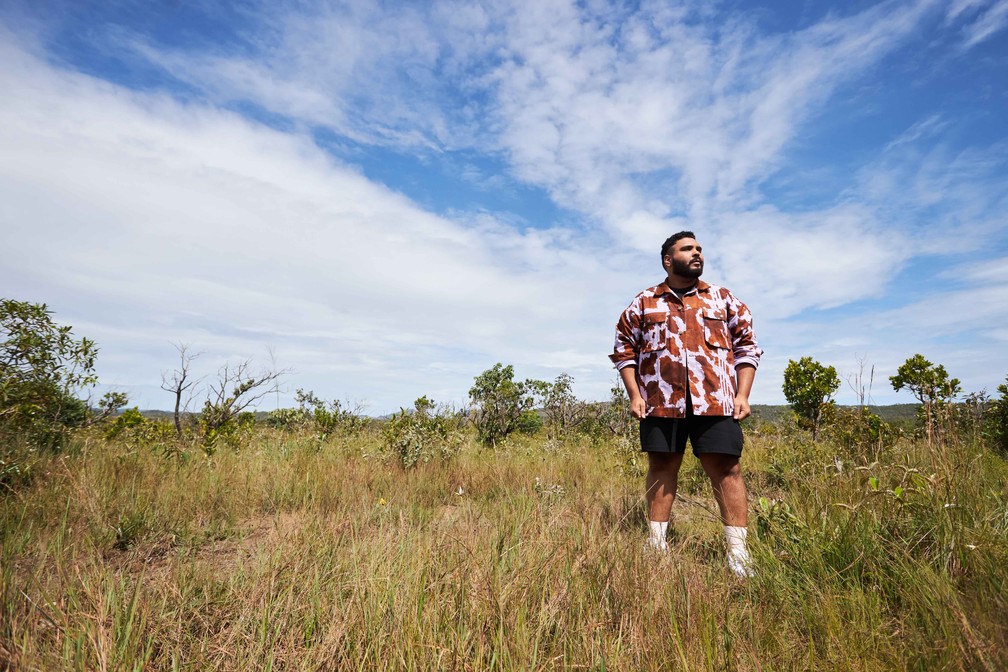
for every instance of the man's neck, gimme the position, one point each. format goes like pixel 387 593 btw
pixel 679 282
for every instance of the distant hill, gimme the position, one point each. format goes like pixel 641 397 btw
pixel 891 413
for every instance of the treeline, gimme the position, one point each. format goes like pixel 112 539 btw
pixel 45 374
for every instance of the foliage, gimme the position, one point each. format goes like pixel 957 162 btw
pixel 499 403
pixel 132 428
pixel 930 384
pixel 329 419
pixel 927 382
pixel 236 389
pixel 996 420
pixel 42 370
pixel 422 435
pixel 289 419
pixel 809 387
pixel 564 412
pixel 859 431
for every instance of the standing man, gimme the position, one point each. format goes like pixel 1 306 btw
pixel 687 355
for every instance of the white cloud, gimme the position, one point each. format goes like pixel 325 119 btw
pixel 155 221
pixel 163 220
pixel 990 21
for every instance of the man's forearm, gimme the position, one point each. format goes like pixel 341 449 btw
pixel 744 376
pixel 629 376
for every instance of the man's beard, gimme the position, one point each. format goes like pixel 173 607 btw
pixel 685 270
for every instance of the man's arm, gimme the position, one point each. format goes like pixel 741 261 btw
pixel 744 376
pixel 638 408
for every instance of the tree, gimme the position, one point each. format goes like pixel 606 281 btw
pixel 564 412
pixel 236 389
pixel 499 403
pixel 180 384
pixel 930 384
pixel 43 369
pixel 809 388
pixel 996 419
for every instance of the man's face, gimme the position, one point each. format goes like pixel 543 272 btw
pixel 684 258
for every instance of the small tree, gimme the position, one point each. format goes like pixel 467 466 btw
pixel 809 388
pixel 236 389
pixel 500 403
pixel 930 384
pixel 43 369
pixel 564 412
pixel 180 384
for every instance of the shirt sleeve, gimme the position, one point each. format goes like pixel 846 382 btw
pixel 740 325
pixel 627 337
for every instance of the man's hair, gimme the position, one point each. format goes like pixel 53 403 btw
pixel 673 239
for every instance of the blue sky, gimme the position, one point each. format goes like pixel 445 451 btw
pixel 388 198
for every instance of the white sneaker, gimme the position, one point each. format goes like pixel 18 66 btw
pixel 741 564
pixel 656 545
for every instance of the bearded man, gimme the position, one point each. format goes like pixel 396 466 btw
pixel 687 355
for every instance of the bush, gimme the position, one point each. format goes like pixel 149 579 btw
pixel 132 428
pixel 329 419
pixel 42 369
pixel 809 387
pixel 996 421
pixel 422 435
pixel 500 403
pixel 859 431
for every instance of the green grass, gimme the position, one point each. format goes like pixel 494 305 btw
pixel 289 555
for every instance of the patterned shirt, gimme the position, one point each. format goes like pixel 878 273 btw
pixel 698 339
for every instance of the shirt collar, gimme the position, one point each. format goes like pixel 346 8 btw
pixel 663 288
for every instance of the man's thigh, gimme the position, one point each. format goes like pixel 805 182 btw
pixel 715 435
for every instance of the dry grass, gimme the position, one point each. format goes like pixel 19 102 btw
pixel 286 556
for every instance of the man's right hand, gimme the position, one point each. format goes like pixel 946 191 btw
pixel 638 408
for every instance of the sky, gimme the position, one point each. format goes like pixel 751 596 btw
pixel 385 199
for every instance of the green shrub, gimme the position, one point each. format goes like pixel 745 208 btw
pixel 422 435
pixel 329 419
pixel 996 421
pixel 42 370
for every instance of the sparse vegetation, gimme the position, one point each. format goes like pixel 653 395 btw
pixel 410 546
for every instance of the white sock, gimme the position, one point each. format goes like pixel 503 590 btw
pixel 658 530
pixel 735 537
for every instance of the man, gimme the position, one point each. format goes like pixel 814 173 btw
pixel 687 355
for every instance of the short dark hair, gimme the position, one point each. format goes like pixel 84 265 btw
pixel 673 239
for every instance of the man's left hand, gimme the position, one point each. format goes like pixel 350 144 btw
pixel 741 408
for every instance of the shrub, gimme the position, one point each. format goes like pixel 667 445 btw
pixel 422 435
pixel 329 419
pixel 996 420
pixel 132 428
pixel 809 387
pixel 42 370
pixel 859 431
pixel 500 403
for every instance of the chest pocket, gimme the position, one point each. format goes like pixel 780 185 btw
pixel 716 329
pixel 654 331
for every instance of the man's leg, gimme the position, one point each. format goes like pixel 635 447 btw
pixel 661 482
pixel 730 493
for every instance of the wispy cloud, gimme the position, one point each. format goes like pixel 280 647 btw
pixel 204 210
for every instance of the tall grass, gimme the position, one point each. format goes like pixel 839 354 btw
pixel 296 555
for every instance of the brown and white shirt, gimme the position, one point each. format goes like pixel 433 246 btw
pixel 694 342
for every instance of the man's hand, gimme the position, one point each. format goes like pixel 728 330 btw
pixel 638 408
pixel 742 410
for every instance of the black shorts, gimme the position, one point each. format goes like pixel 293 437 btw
pixel 707 434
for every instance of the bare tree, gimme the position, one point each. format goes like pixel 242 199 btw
pixel 180 383
pixel 237 388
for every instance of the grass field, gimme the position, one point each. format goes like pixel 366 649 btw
pixel 291 554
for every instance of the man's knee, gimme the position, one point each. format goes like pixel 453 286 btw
pixel 721 467
pixel 664 463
